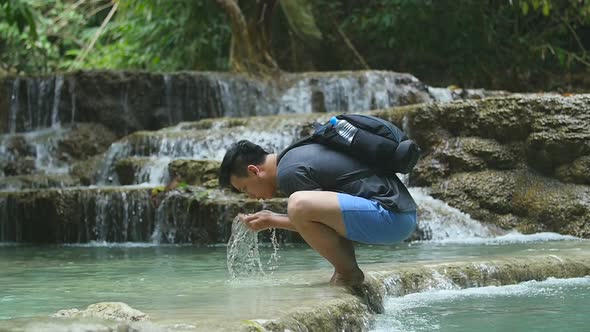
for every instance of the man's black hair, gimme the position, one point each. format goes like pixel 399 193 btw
pixel 237 158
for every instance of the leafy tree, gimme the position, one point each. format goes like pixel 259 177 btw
pixel 509 44
pixel 163 35
pixel 35 35
pixel 493 43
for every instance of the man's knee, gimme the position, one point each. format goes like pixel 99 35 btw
pixel 298 206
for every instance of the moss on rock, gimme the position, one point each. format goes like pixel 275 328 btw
pixel 127 168
pixel 85 140
pixel 195 172
pixel 576 172
pixel 354 312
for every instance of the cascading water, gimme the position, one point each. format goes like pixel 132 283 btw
pixel 14 105
pixel 58 85
pixel 444 223
pixel 243 257
pixel 183 141
pixel 72 91
pixel 243 254
pixel 41 145
pixel 168 96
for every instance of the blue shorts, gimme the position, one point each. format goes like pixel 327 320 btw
pixel 368 222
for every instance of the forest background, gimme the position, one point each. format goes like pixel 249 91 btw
pixel 516 45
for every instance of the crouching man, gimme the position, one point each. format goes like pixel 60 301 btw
pixel 334 199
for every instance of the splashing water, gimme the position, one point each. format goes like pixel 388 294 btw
pixel 243 254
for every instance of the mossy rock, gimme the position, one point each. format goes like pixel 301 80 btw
pixel 85 140
pixel 20 166
pixel 519 199
pixel 475 154
pixel 38 182
pixel 428 170
pixel 84 170
pixel 553 204
pixel 196 172
pixel 576 172
pixel 127 168
pixel 491 190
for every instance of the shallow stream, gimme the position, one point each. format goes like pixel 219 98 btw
pixel 190 287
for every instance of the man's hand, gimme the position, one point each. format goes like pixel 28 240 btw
pixel 258 221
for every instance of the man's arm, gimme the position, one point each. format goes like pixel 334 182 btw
pixel 265 219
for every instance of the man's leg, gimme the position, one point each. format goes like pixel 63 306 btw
pixel 317 216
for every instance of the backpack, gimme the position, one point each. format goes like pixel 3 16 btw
pixel 377 142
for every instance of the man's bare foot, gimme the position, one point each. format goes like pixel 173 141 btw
pixel 353 278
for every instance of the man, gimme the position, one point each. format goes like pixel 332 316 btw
pixel 328 213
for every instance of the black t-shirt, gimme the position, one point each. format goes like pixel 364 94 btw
pixel 317 167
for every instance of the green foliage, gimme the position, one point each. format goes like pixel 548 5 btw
pixel 36 34
pixel 560 30
pixel 164 35
pixel 510 44
pixel 43 36
pixel 19 13
pixel 472 43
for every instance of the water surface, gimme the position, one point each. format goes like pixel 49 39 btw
pixel 187 284
pixel 551 305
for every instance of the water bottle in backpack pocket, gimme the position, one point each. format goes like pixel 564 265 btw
pixel 344 129
pixel 372 140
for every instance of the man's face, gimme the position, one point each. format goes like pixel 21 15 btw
pixel 255 184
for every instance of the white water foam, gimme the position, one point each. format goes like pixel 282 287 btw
pixel 42 144
pixel 442 95
pixel 449 225
pixel 154 172
pixel 446 222
pixel 59 82
pixel 105 244
pixel 513 238
pixel 14 100
pixel 406 313
pixel 243 255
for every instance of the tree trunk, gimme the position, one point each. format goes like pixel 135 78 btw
pixel 250 51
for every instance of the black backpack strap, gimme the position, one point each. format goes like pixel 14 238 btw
pixel 301 142
pixel 318 127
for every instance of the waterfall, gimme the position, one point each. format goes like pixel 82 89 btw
pixel 38 94
pixel 172 220
pixel 42 145
pixel 441 94
pixel 4 219
pixel 154 172
pixel 59 82
pixel 32 95
pixel 183 141
pixel 114 215
pixel 72 90
pixel 45 144
pixel 14 101
pixel 105 174
pixel 168 97
pixel 297 99
pixel 445 223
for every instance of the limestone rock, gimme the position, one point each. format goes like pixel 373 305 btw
pixel 20 166
pixel 576 172
pixel 84 170
pixel 196 172
pixel 85 140
pixel 127 169
pixel 118 311
pixel 37 182
pixel 484 157
pixel 519 199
